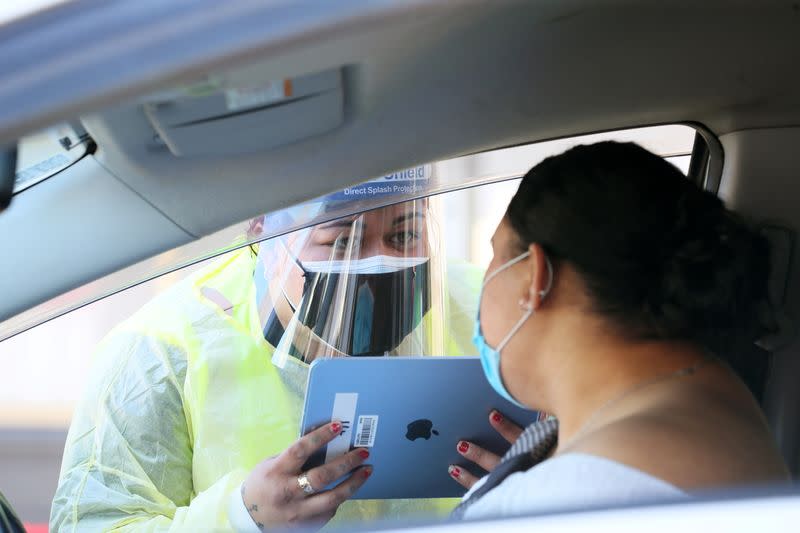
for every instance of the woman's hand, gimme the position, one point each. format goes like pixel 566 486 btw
pixel 483 458
pixel 274 491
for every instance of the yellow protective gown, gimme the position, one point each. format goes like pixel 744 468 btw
pixel 183 402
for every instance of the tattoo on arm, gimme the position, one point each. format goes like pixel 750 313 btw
pixel 253 508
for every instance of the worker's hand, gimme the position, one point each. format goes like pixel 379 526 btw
pixel 273 492
pixel 483 458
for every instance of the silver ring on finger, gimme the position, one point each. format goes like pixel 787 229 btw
pixel 305 484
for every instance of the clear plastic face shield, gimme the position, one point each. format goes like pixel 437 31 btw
pixel 369 284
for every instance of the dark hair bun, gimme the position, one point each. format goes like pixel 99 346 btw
pixel 659 257
pixel 713 282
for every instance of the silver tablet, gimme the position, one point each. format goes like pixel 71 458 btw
pixel 410 412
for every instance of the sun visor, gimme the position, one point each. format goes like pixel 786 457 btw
pixel 239 113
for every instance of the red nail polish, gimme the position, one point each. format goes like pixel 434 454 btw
pixel 497 417
pixel 364 454
pixel 336 427
pixel 366 473
pixel 455 472
pixel 463 447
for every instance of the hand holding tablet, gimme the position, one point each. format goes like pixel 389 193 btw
pixel 410 413
pixel 279 491
pixel 477 455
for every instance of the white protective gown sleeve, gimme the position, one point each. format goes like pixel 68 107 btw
pixel 128 458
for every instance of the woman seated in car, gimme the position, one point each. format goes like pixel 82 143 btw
pixel 616 296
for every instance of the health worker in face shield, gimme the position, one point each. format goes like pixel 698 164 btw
pixel 191 416
pixel 359 285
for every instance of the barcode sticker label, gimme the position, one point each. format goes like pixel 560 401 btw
pixel 365 431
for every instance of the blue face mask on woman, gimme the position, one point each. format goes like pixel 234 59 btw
pixel 490 357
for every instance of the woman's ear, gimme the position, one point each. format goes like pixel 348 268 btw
pixel 539 275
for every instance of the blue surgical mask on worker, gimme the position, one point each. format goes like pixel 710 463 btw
pixel 490 357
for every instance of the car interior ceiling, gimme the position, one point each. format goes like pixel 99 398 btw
pixel 418 87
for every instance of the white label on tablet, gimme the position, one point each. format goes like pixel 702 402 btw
pixel 344 410
pixel 365 431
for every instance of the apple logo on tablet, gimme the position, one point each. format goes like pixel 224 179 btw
pixel 420 429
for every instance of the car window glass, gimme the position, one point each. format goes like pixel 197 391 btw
pixel 51 363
